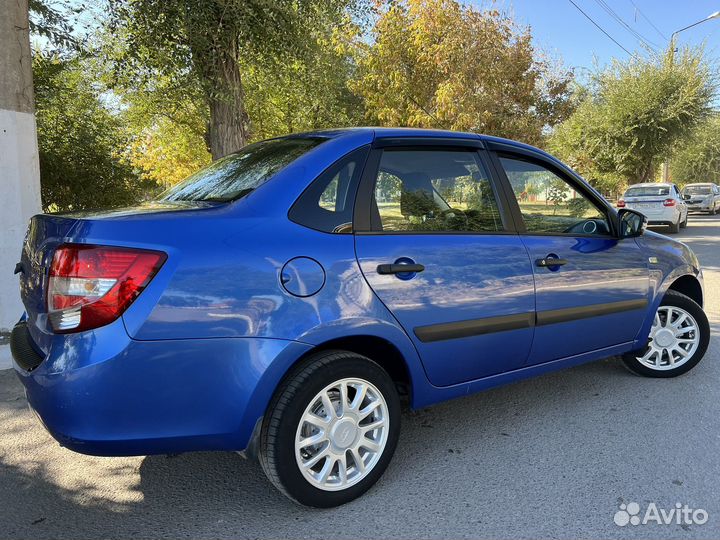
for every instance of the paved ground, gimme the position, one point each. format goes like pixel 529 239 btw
pixel 551 457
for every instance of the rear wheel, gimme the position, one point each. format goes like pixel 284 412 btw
pixel 331 429
pixel 678 339
pixel 675 227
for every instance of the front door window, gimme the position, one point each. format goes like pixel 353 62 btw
pixel 549 204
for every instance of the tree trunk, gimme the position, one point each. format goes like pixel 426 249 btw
pixel 19 166
pixel 229 128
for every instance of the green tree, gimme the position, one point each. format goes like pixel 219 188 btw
pixel 556 193
pixel 82 144
pixel 309 92
pixel 50 19
pixel 697 158
pixel 632 116
pixel 442 64
pixel 205 46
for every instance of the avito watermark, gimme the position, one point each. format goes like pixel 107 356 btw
pixel 680 514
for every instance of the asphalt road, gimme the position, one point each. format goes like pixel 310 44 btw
pixel 551 457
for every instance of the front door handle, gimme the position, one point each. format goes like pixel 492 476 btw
pixel 550 261
pixel 399 268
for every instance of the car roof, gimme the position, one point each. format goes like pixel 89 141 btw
pixel 651 184
pixel 392 132
pixel 700 184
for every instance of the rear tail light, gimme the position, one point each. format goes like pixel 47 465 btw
pixel 669 202
pixel 91 286
pixel 621 203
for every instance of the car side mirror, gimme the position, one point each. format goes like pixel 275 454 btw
pixel 632 223
pixel 686 197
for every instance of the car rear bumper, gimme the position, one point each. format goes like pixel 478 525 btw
pixel 660 222
pixel 662 215
pixel 156 396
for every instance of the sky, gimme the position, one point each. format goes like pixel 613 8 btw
pixel 562 31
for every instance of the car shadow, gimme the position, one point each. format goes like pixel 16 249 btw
pixel 219 494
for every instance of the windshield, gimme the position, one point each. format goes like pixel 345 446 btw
pixel 648 191
pixel 236 175
pixel 697 190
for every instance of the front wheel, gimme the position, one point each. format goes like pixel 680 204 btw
pixel 678 339
pixel 331 429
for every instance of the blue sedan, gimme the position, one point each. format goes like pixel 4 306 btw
pixel 287 299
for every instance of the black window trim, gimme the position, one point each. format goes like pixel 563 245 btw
pixel 365 198
pixel 497 149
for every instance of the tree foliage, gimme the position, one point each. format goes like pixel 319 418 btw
pixel 81 143
pixel 697 158
pixel 632 116
pixel 208 43
pixel 50 20
pixel 307 92
pixel 442 64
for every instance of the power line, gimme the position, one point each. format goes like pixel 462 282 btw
pixel 648 20
pixel 610 11
pixel 589 18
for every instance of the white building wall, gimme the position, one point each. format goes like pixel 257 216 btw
pixel 19 200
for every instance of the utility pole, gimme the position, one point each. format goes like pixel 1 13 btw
pixel 19 164
pixel 714 15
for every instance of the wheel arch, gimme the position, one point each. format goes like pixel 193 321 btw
pixel 688 285
pixel 385 344
pixel 685 282
pixel 379 350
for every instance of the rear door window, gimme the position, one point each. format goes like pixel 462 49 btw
pixel 435 191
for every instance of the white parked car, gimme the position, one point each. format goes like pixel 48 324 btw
pixel 661 203
pixel 702 197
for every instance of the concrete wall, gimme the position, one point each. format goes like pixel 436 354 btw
pixel 19 200
pixel 19 168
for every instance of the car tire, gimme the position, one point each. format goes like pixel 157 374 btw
pixel 683 225
pixel 651 363
pixel 675 227
pixel 313 405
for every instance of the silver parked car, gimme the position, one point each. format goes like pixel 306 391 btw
pixel 661 203
pixel 702 197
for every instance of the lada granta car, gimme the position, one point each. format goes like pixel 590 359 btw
pixel 285 300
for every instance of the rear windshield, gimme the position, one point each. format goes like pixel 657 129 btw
pixel 697 190
pixel 648 191
pixel 236 175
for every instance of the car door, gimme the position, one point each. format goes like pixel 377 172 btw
pixel 437 246
pixel 591 288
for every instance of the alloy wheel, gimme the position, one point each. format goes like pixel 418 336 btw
pixel 342 434
pixel 674 338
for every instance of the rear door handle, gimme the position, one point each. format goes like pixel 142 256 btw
pixel 399 268
pixel 550 261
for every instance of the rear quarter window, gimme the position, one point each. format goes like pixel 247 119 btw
pixel 327 204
